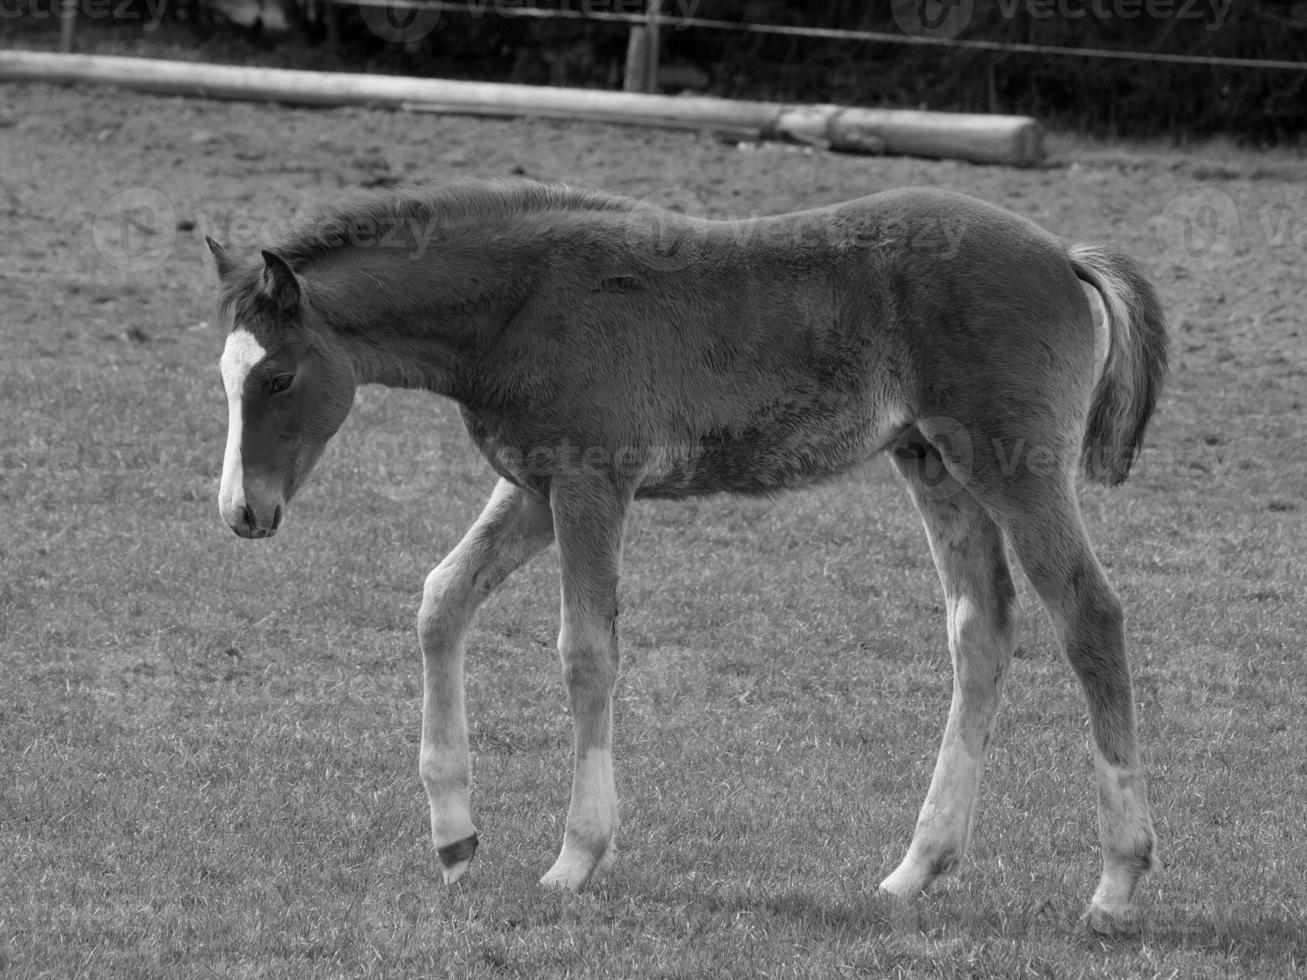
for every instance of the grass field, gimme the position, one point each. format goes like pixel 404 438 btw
pixel 210 745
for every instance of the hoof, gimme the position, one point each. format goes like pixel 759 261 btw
pixel 552 881
pixel 566 878
pixel 572 872
pixel 1122 924
pixel 906 882
pixel 455 858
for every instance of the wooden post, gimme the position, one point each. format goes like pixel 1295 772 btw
pixel 653 44
pixel 67 21
pixel 331 13
pixel 642 52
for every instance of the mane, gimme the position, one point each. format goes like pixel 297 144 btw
pixel 402 216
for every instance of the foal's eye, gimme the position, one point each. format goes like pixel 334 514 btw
pixel 280 383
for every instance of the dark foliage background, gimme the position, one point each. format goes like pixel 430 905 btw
pixel 1103 97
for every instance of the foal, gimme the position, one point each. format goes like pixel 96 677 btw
pixel 602 351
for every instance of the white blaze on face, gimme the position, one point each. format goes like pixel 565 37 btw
pixel 239 357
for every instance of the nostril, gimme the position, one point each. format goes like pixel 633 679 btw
pixel 276 518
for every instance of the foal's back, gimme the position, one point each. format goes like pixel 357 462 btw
pixel 753 356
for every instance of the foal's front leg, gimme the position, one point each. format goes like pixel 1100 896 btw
pixel 588 518
pixel 513 527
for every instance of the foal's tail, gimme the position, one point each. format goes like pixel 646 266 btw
pixel 1131 378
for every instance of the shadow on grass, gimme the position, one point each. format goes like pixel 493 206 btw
pixel 1238 934
pixel 1244 935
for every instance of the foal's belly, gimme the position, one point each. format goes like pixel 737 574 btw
pixel 756 461
pixel 778 451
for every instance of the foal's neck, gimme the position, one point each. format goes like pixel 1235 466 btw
pixel 414 319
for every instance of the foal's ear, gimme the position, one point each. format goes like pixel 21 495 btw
pixel 280 283
pixel 225 263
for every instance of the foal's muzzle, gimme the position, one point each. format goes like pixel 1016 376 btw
pixel 249 522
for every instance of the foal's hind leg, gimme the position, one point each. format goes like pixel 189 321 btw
pixel 513 527
pixel 1044 523
pixel 982 624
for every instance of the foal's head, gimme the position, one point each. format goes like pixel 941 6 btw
pixel 289 388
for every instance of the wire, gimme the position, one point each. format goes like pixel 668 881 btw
pixel 830 33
